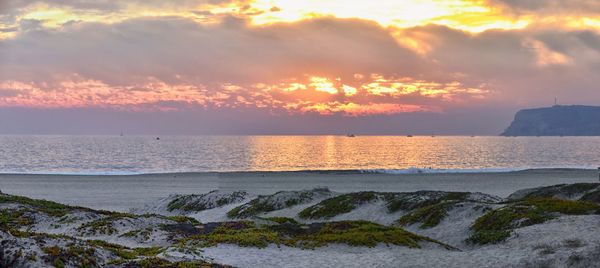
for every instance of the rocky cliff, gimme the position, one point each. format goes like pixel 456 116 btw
pixel 558 120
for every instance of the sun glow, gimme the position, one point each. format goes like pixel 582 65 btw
pixel 469 15
pixel 348 90
pixel 322 84
pixel 353 109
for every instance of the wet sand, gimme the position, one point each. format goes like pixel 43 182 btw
pixel 122 192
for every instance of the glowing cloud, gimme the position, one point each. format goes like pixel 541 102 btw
pixel 294 57
pixel 322 84
pixel 468 15
pixel 348 90
pixel 293 97
pixel 353 109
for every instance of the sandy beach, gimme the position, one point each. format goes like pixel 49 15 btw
pixel 274 219
pixel 122 192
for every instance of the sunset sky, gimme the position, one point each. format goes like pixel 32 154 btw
pixel 291 67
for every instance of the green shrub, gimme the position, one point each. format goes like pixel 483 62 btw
pixel 196 202
pixel 48 207
pixel 353 233
pixel 338 205
pixel 429 216
pixel 282 220
pixel 407 201
pixel 247 236
pixel 267 203
pixel 497 225
pixel 360 233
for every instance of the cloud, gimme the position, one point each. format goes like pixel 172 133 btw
pixel 232 51
pixel 139 61
pixel 195 59
pixel 529 66
pixel 551 6
pixel 14 6
pixel 230 64
pixel 373 95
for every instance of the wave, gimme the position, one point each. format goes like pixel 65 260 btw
pixel 82 173
pixel 441 171
pixel 411 170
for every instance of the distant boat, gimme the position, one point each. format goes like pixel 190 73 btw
pixel 350 136
pixel 410 136
pixel 157 138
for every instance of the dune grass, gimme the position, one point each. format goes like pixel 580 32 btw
pixel 279 200
pixel 334 206
pixel 196 202
pixel 429 216
pixel 48 207
pixel 497 225
pixel 293 234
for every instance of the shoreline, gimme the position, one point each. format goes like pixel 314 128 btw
pixel 123 192
pixel 407 171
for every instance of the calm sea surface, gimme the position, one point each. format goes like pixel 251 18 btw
pixel 145 154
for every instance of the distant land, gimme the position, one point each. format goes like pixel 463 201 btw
pixel 558 120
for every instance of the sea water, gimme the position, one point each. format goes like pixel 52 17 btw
pixel 386 154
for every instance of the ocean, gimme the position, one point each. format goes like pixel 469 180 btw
pixel 118 155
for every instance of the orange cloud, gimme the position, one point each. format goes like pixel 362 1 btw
pixel 93 93
pixel 322 84
pixel 291 56
pixel 310 94
pixel 353 109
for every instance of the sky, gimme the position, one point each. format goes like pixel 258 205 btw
pixel 390 67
